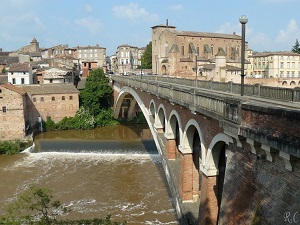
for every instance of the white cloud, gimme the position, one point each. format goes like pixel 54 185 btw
pixel 134 12
pixel 88 8
pixel 288 33
pixel 177 7
pixel 228 28
pixel 92 25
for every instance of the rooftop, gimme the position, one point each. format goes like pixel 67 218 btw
pixel 42 89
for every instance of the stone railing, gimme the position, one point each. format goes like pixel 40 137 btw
pixel 222 99
pixel 257 90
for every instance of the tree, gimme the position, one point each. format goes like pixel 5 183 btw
pixel 97 93
pixel 147 57
pixel 36 207
pixel 296 47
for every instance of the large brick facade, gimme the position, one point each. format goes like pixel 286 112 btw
pixel 174 52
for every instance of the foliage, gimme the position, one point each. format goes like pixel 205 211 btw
pixel 296 47
pixel 13 147
pixel 3 70
pixel 49 124
pixel 83 120
pixel 36 207
pixel 105 118
pixel 147 57
pixel 97 93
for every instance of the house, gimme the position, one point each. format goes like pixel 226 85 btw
pixel 91 57
pixel 50 100
pixel 57 75
pixel 12 112
pixel 20 73
pixel 128 58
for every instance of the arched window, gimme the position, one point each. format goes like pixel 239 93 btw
pixel 166 49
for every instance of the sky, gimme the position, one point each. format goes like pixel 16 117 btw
pixel 273 25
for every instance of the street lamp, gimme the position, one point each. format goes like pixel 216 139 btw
pixel 196 68
pixel 243 21
pixel 141 67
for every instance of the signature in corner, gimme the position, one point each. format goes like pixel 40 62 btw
pixel 291 217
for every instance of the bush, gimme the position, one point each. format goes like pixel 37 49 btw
pixel 13 147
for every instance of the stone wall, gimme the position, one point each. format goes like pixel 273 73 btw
pixel 12 122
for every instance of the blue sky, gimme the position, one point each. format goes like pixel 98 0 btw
pixel 273 25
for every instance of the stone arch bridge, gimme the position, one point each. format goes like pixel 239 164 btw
pixel 228 159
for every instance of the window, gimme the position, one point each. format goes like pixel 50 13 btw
pixel 22 81
pixel 281 74
pixel 70 97
pixel 53 98
pixel 34 99
pixel 198 50
pixel 14 80
pixel 42 99
pixel 281 65
pixel 212 50
pixel 0 90
pixel 293 73
pixel 182 50
pixel 4 109
pixel 63 98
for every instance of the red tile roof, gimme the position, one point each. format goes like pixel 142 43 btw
pixel 13 88
pixel 19 67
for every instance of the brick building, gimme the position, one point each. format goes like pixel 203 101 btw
pixel 12 112
pixel 175 52
pixel 54 100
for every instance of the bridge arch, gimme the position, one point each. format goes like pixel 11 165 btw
pixel 193 151
pixel 188 136
pixel 160 118
pixel 122 93
pixel 152 108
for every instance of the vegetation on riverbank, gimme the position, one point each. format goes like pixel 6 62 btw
pixel 95 107
pixel 14 147
pixel 37 207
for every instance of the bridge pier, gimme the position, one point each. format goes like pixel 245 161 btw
pixel 208 211
pixel 171 149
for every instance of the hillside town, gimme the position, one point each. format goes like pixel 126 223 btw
pixel 36 83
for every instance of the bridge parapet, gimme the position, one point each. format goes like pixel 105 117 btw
pixel 268 115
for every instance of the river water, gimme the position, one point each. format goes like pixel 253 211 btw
pixel 113 170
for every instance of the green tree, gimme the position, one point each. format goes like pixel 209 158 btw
pixel 97 93
pixel 296 47
pixel 36 207
pixel 147 57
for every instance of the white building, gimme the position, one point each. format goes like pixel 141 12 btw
pixel 20 73
pixel 275 64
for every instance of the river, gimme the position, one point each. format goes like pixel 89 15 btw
pixel 112 170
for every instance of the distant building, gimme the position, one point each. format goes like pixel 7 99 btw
pixel 128 58
pixel 32 47
pixel 174 52
pixel 275 64
pixel 91 57
pixel 20 73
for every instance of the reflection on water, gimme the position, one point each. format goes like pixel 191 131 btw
pixel 105 176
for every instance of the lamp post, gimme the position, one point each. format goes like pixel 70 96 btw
pixel 196 68
pixel 141 67
pixel 243 21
